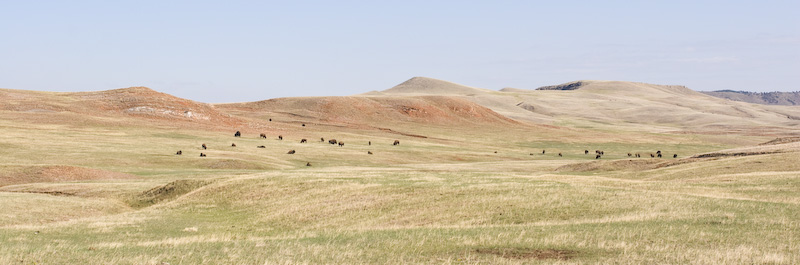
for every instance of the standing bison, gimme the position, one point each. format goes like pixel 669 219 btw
pixel 332 141
pixel 204 146
pixel 237 134
pixel 291 152
pixel 396 142
pixel 302 141
pixel 263 135
pixel 179 152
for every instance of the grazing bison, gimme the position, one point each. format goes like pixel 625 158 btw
pixel 291 152
pixel 674 155
pixel 304 125
pixel 263 136
pixel 261 146
pixel 585 152
pixel 322 139
pixel 308 164
pixel 341 144
pixel 280 137
pixel 369 152
pixel 332 141
pixel 369 142
pixel 659 155
pixel 495 152
pixel 651 155
pixel 204 146
pixel 202 155
pixel 629 154
pixel 542 151
pixel 396 142
pixel 602 153
pixel 270 119
pixel 233 144
pixel 302 141
pixel 597 156
pixel 237 134
pixel 638 155
pixel 559 154
pixel 531 153
pixel 658 152
pixel 179 152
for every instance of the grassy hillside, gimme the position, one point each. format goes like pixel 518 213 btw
pixel 464 186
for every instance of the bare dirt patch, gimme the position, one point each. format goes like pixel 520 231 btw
pixel 527 253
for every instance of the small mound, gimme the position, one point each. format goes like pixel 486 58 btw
pixel 527 253
pixel 430 86
pixel 167 192
pixel 12 175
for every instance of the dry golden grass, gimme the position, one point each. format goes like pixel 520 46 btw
pixel 472 191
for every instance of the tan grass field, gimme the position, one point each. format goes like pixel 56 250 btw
pixel 92 178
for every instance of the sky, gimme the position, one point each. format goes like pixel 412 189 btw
pixel 237 51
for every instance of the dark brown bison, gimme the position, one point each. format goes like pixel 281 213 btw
pixel 280 137
pixel 233 144
pixel 559 154
pixel 659 155
pixel 237 134
pixel 495 152
pixel 261 146
pixel 322 139
pixel 597 156
pixel 204 146
pixel 341 144
pixel 332 141
pixel 291 152
pixel 651 155
pixel 542 151
pixel 658 152
pixel 302 141
pixel 629 155
pixel 638 155
pixel 308 164
pixel 396 142
pixel 585 152
pixel 179 152
pixel 369 142
pixel 304 125
pixel 263 135
pixel 369 152
pixel 674 155
pixel 531 154
pixel 270 119
pixel 202 155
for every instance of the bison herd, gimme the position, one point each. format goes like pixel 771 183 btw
pixel 598 153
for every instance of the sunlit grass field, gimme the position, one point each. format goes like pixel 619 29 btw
pixel 472 196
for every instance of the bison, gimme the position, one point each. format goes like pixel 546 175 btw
pixel 674 155
pixel 202 155
pixel 332 141
pixel 291 152
pixel 179 152
pixel 341 144
pixel 651 155
pixel 233 144
pixel 629 154
pixel 638 155
pixel 559 154
pixel 396 142
pixel 322 139
pixel 204 146
pixel 597 156
pixel 369 152
pixel 237 134
pixel 280 137
pixel 658 152
pixel 369 142
pixel 302 141
pixel 261 146
pixel 585 152
pixel 304 125
pixel 263 136
pixel 659 155
pixel 542 151
pixel 308 164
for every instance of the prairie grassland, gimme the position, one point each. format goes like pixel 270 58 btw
pixel 445 199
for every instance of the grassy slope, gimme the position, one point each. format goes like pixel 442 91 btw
pixel 444 199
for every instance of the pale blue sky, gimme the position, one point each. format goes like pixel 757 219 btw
pixel 231 51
